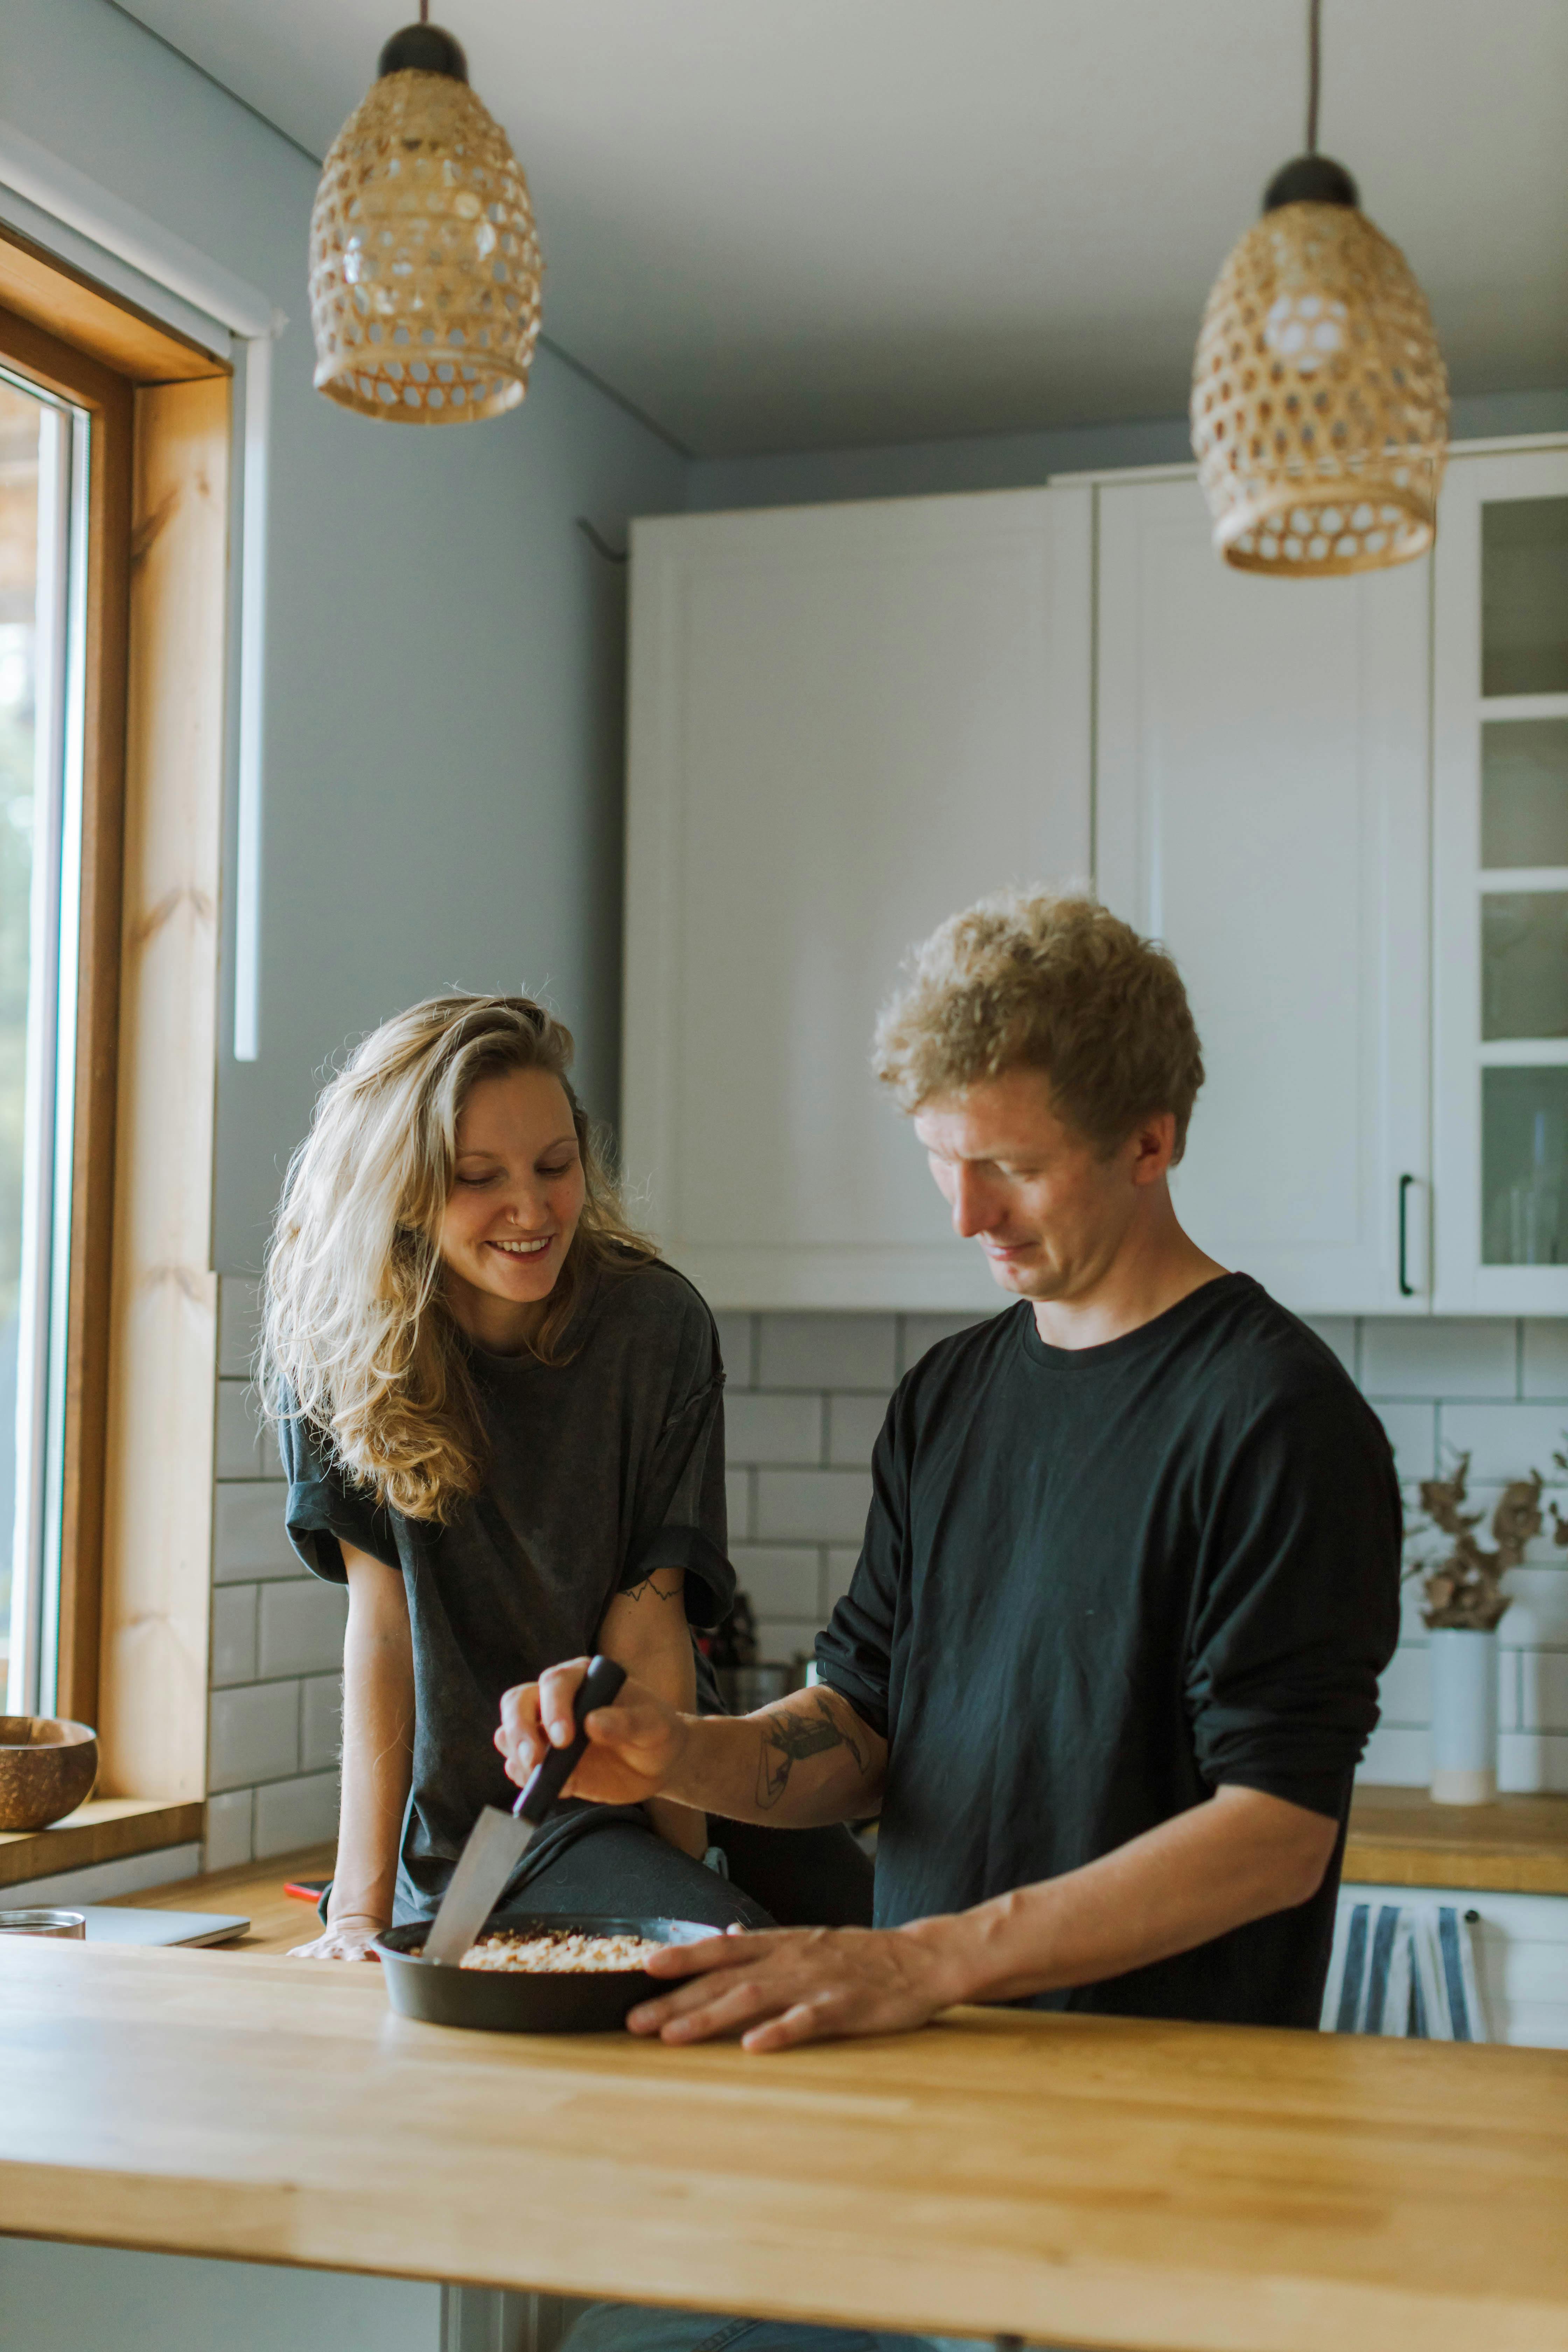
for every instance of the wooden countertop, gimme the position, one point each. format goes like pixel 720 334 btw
pixel 1398 1837
pixel 1093 2181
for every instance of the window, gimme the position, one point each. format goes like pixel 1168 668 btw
pixel 45 470
pixel 114 446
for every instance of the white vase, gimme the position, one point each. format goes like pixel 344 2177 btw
pixel 1464 1715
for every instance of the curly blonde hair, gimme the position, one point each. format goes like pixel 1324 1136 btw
pixel 1031 979
pixel 358 1338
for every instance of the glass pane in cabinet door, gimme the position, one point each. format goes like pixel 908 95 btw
pixel 1524 1143
pixel 1524 596
pixel 1524 793
pixel 1524 964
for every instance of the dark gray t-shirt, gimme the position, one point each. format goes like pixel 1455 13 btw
pixel 603 1469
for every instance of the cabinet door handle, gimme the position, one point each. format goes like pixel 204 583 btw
pixel 1406 1288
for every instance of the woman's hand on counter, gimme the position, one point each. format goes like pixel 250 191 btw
pixel 785 1986
pixel 342 1939
pixel 634 1747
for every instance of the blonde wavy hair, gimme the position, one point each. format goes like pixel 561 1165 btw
pixel 358 1338
pixel 1055 983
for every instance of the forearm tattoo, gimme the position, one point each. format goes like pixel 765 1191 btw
pixel 788 1739
pixel 674 1579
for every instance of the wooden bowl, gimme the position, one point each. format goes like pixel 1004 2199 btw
pixel 46 1769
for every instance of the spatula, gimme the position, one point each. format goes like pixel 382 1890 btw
pixel 498 1841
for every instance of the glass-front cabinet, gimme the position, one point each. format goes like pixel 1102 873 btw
pixel 1501 928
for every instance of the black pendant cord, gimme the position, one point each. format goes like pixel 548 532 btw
pixel 1312 178
pixel 425 10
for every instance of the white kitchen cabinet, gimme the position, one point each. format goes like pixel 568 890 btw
pixel 1261 805
pixel 844 723
pixel 1500 895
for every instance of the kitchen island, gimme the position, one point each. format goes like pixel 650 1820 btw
pixel 1071 2180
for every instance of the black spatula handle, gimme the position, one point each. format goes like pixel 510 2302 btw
pixel 600 1687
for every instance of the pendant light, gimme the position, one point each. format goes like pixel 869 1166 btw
pixel 424 268
pixel 1319 409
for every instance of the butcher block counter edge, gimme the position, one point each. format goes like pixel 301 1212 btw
pixel 1398 1837
pixel 1094 2181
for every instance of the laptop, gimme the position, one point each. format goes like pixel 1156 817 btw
pixel 109 1923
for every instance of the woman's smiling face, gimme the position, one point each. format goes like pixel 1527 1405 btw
pixel 517 1195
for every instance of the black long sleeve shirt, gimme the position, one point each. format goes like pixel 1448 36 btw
pixel 1099 1584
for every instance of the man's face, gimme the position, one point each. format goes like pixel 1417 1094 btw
pixel 1049 1211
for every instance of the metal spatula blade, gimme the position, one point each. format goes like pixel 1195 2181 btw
pixel 498 1841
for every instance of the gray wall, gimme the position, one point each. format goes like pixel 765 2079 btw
pixel 444 651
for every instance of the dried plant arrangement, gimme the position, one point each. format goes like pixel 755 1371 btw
pixel 1463 1589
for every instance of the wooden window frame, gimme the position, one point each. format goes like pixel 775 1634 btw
pixel 142 1320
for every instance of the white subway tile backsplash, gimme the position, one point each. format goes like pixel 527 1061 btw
pixel 841 1564
pixel 253 1734
pixel 233 1634
pixel 781 1639
pixel 248 1538
pixel 238 1323
pixel 247 1441
pixel 301 1627
pixel 320 1721
pixel 854 1425
pixel 1417 1359
pixel 1413 1433
pixel 1545 1359
pixel 229 1844
pixel 774 1428
pixel 779 1582
pixel 828 1351
pixel 293 1814
pixel 812 1506
pixel 807 1396
pixel 920 1332
pixel 738 1504
pixel 735 1345
pixel 1503 1441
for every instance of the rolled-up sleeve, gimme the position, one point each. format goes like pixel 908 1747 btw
pixel 1296 1609
pixel 323 1512
pixel 855 1649
pixel 682 1521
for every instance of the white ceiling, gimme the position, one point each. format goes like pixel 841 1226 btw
pixel 784 223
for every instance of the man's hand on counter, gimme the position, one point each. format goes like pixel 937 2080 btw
pixel 788 1985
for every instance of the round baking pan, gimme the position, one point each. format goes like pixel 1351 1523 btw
pixel 497 2000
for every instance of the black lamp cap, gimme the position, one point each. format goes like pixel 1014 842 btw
pixel 423 49
pixel 1311 179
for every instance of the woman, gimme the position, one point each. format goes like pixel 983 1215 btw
pixel 502 1423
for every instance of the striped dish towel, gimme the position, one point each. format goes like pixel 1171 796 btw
pixel 1403 1968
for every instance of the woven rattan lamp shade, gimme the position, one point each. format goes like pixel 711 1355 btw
pixel 424 268
pixel 1320 404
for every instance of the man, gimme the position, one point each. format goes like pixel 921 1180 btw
pixel 1110 1653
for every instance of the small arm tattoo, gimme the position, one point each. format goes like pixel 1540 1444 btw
pixel 674 1581
pixel 788 1739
